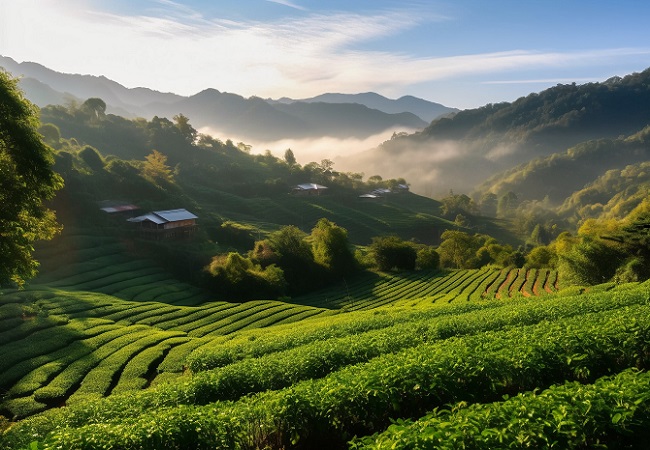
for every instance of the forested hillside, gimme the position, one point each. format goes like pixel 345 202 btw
pixel 561 174
pixel 461 151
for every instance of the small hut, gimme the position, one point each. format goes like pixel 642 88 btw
pixel 168 224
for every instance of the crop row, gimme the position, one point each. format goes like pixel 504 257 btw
pixel 361 399
pixel 512 282
pixel 51 359
pixel 258 343
pixel 612 412
pixel 459 285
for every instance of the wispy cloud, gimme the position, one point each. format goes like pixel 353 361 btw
pixel 288 3
pixel 175 48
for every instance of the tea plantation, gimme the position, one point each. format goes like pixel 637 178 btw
pixel 106 351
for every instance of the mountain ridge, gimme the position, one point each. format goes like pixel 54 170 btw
pixel 227 113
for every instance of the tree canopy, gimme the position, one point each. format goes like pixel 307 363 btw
pixel 26 181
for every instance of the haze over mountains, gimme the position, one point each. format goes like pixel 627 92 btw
pixel 334 115
pixel 462 151
pixel 519 146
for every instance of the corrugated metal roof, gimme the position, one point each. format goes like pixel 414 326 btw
pixel 151 217
pixel 160 217
pixel 174 215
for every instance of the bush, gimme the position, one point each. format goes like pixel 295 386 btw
pixel 427 258
pixel 390 252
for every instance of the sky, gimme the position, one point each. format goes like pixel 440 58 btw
pixel 461 53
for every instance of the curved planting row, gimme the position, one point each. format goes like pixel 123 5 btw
pixel 372 291
pixel 84 262
pixel 513 282
pixel 96 344
pixel 362 399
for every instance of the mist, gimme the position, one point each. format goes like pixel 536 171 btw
pixel 431 167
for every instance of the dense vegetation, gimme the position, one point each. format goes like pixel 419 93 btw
pixel 327 380
pixel 26 182
pixel 325 321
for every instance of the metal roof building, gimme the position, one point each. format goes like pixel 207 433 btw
pixel 167 223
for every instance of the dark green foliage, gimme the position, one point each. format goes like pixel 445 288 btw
pixel 427 258
pixel 296 259
pixel 390 252
pixel 92 159
pixel 26 181
pixel 455 204
pixel 588 261
pixel 235 276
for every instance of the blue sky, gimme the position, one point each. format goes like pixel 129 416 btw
pixel 459 53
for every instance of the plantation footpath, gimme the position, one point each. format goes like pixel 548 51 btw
pixel 323 381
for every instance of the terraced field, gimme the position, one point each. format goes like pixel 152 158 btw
pixel 113 348
pixel 407 215
pixel 60 347
pixel 325 379
pixel 374 290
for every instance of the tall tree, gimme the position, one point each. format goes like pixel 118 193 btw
pixel 332 249
pixel 26 181
pixel 156 168
pixel 289 157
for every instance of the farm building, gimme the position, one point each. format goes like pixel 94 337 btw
pixel 172 223
pixel 309 189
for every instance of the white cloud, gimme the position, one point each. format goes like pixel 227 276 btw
pixel 175 48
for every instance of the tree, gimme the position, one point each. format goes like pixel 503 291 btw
pixel 488 204
pixel 156 168
pixel 51 135
pixel 92 159
pixel 390 252
pixel 427 258
pixel 294 256
pixel 455 204
pixel 26 181
pixel 331 248
pixel 289 157
pixel 507 204
pixel 187 130
pixel 457 249
pixel 95 107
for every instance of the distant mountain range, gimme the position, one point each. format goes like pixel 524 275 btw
pixel 231 115
pixel 424 109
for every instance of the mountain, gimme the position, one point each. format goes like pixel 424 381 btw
pixel 119 99
pixel 231 115
pixel 460 151
pixel 254 118
pixel 561 175
pixel 424 109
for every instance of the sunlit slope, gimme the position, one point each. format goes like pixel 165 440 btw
pixel 89 344
pixel 59 347
pixel 320 382
pixel 404 214
pixel 372 290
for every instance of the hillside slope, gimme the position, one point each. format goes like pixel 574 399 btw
pixel 459 152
